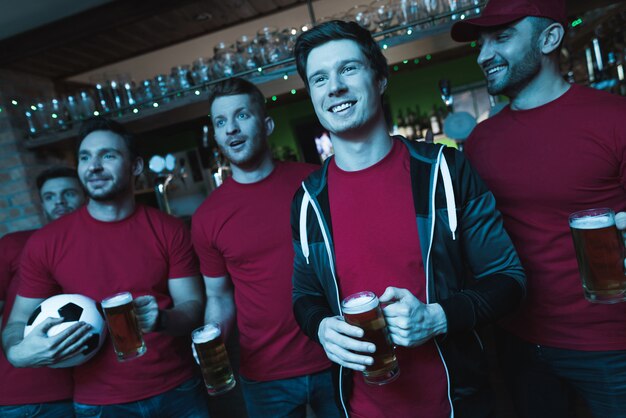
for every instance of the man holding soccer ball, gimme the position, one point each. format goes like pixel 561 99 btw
pixel 112 245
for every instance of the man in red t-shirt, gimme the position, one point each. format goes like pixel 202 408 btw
pixel 108 246
pixel 26 391
pixel 408 221
pixel 556 149
pixel 241 234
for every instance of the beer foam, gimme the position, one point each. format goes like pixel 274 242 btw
pixel 117 300
pixel 362 303
pixel 592 222
pixel 206 333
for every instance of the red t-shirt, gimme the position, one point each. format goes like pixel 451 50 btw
pixel 243 231
pixel 376 246
pixel 78 254
pixel 24 385
pixel 543 164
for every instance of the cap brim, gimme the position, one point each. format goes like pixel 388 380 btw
pixel 468 30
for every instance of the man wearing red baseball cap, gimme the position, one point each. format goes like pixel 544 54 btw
pixel 556 149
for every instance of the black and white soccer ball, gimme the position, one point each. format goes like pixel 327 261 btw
pixel 72 308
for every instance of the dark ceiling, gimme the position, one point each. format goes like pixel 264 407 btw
pixel 123 29
pixel 126 28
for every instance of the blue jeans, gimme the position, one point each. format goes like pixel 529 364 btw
pixel 288 398
pixel 61 409
pixel 546 380
pixel 187 400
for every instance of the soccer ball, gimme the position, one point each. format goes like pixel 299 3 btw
pixel 72 308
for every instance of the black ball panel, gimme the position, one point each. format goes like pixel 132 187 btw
pixel 70 312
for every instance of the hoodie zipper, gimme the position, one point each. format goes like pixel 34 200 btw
pixel 325 235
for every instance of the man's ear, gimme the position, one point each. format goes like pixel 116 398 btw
pixel 269 125
pixel 382 85
pixel 137 166
pixel 551 38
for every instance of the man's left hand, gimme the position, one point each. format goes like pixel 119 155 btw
pixel 411 322
pixel 147 312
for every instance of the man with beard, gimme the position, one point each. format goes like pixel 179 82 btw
pixel 109 246
pixel 241 234
pixel 408 221
pixel 27 392
pixel 556 149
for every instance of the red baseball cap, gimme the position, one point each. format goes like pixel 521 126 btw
pixel 502 12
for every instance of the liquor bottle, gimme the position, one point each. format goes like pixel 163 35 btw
pixel 408 125
pixel 220 170
pixel 400 124
pixel 435 124
pixel 417 125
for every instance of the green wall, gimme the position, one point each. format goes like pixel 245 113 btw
pixel 420 86
pixel 414 84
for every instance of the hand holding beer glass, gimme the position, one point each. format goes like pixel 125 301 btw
pixel 213 359
pixel 600 253
pixel 363 310
pixel 121 319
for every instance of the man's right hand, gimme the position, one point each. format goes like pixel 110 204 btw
pixel 340 342
pixel 37 349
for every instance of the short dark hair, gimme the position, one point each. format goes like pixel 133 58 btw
pixel 100 123
pixel 336 30
pixel 55 173
pixel 234 86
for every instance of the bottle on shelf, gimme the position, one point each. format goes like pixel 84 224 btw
pixel 417 124
pixel 435 123
pixel 400 124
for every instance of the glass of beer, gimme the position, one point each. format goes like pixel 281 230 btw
pixel 363 310
pixel 600 254
pixel 213 358
pixel 121 319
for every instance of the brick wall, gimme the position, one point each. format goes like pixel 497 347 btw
pixel 19 202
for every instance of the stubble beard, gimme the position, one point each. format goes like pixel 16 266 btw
pixel 519 75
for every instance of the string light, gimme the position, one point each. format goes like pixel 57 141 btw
pixel 14 102
pixel 428 57
pixel 197 92
pixel 96 113
pixel 473 44
pixel 33 107
pixel 155 104
pixel 577 22
pixel 274 98
pixel 285 77
pixel 135 110
pixel 293 91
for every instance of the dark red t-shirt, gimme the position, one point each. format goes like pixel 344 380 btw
pixel 376 246
pixel 543 164
pixel 140 254
pixel 243 231
pixel 24 385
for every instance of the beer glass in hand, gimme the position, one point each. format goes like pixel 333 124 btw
pixel 363 310
pixel 213 358
pixel 119 312
pixel 600 254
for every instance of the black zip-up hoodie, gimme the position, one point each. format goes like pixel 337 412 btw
pixel 472 269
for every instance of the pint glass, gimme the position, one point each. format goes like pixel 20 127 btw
pixel 600 254
pixel 124 330
pixel 363 310
pixel 213 359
